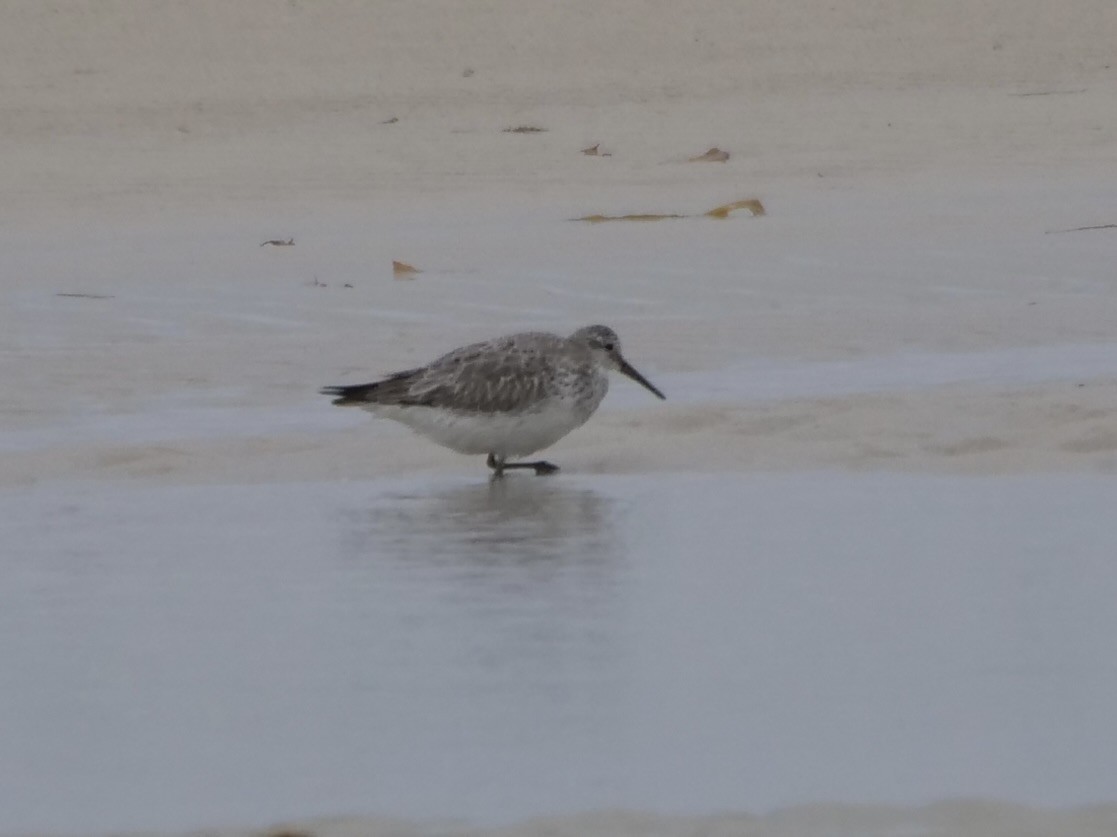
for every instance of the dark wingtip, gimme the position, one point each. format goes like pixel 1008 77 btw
pixel 346 396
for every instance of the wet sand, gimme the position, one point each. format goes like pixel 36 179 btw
pixel 823 335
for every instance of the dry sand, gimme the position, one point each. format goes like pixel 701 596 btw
pixel 917 162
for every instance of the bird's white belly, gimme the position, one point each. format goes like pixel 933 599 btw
pixel 504 434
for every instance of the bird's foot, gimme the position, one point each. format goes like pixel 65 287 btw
pixel 499 466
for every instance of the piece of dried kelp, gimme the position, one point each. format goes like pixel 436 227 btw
pixel 753 205
pixel 641 216
pixel 714 155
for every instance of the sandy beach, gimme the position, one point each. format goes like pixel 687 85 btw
pixel 917 169
pixel 929 295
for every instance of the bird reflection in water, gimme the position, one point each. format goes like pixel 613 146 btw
pixel 511 521
pixel 515 575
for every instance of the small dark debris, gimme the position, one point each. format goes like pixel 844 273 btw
pixel 347 285
pixel 525 129
pixel 87 296
pixel 713 155
pixel 278 242
pixel 1083 229
pixel 595 151
pixel 391 121
pixel 1049 93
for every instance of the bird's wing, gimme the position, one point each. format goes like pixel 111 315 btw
pixel 506 374
pixel 497 376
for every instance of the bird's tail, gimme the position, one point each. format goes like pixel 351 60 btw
pixel 351 396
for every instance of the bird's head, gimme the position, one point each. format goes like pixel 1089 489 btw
pixel 605 347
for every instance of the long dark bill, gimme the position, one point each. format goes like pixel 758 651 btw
pixel 627 369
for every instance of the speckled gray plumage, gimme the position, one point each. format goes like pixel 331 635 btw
pixel 504 375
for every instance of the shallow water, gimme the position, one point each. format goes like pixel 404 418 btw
pixel 176 657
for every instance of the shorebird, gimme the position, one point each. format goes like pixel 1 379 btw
pixel 507 398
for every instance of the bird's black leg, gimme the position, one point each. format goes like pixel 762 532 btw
pixel 499 466
pixel 541 467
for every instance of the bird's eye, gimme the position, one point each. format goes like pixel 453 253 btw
pixel 608 347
